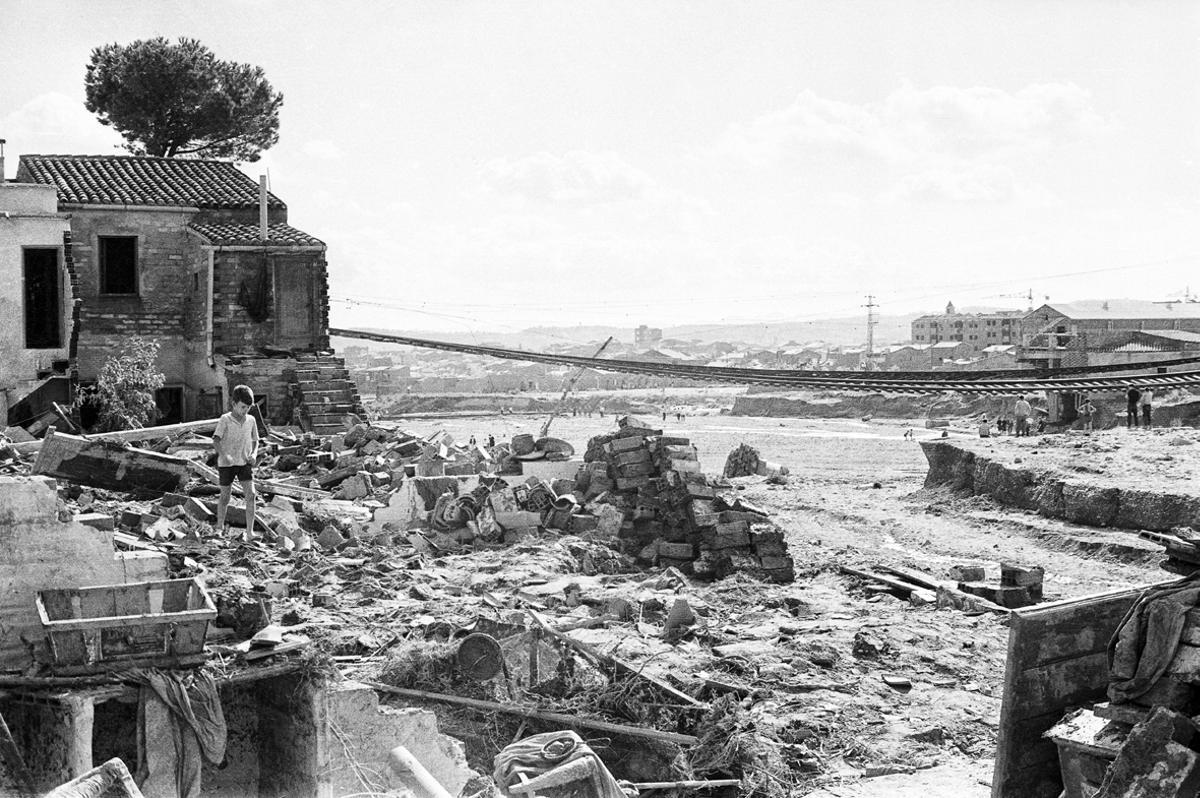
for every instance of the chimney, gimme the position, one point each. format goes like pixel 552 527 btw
pixel 1 160
pixel 262 207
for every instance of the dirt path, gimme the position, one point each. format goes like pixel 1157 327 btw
pixel 855 497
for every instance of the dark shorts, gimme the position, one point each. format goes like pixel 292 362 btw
pixel 242 473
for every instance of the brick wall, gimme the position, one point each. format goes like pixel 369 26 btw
pixel 233 328
pixel 270 377
pixel 166 288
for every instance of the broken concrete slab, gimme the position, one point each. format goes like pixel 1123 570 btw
pixel 39 552
pixel 371 732
pixel 112 466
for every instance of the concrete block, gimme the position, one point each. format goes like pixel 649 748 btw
pixel 551 470
pixel 96 520
pixel 370 732
pixel 143 566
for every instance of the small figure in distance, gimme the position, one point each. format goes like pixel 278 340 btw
pixel 1132 397
pixel 1087 413
pixel 985 428
pixel 1022 410
pixel 1146 401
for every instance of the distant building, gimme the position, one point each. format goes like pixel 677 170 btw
pixel 645 337
pixel 1078 333
pixel 977 330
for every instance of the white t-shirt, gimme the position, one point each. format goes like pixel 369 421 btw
pixel 1147 397
pixel 237 440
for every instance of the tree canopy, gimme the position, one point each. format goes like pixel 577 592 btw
pixel 179 99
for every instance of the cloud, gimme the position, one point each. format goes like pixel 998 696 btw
pixel 974 121
pixel 948 144
pixel 56 123
pixel 324 149
pixel 809 123
pixel 575 178
pixel 911 124
pixel 959 183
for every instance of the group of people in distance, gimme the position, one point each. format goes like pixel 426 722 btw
pixel 1139 407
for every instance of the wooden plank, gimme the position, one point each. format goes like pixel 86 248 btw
pixel 569 721
pixel 1066 682
pixel 1059 629
pixel 917 577
pixel 1056 658
pixel 291 491
pixel 927 596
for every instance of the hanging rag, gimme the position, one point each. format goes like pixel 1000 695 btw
pixel 562 754
pixel 254 293
pixel 1147 638
pixel 180 724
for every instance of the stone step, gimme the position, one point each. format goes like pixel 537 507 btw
pixel 334 419
pixel 326 385
pixel 332 394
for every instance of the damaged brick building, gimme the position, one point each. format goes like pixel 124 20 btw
pixel 201 258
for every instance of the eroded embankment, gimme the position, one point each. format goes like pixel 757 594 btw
pixel 1010 479
pixel 849 405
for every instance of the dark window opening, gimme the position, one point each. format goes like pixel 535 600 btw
pixel 118 265
pixel 42 327
pixel 168 402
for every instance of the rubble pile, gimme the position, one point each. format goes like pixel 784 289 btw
pixel 670 512
pixel 742 462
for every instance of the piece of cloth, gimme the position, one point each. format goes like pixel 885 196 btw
pixel 554 751
pixel 235 440
pixel 180 724
pixel 1147 638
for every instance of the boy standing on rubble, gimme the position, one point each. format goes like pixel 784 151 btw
pixel 236 442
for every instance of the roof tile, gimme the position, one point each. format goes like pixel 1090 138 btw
pixel 140 180
pixel 278 235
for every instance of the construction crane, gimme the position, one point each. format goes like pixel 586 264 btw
pixel 567 390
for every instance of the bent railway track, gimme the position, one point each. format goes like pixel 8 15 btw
pixel 1111 377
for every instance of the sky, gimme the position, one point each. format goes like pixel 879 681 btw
pixel 491 166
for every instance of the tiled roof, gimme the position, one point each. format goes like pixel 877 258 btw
pixel 136 180
pixel 1112 309
pixel 278 235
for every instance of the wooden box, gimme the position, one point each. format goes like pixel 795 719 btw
pixel 109 627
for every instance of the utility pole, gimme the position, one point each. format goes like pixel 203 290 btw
pixel 871 322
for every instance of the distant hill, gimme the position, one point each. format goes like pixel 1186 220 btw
pixel 849 331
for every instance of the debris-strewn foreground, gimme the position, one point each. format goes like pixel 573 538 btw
pixel 430 570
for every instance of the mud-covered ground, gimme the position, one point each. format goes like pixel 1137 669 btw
pixel 855 497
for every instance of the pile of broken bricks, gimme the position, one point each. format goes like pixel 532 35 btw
pixel 672 514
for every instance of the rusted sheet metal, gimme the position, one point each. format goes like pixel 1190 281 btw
pixel 109 465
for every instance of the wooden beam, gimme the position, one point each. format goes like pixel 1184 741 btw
pixel 928 596
pixel 156 433
pixel 291 491
pixel 615 663
pixel 570 721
